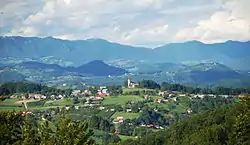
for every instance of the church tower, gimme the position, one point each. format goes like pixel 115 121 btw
pixel 129 81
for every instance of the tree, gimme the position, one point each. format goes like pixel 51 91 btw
pixel 149 84
pixel 125 84
pixel 17 129
pixel 73 132
pixel 93 90
pixel 10 127
pixel 242 126
pixel 76 100
pixel 115 90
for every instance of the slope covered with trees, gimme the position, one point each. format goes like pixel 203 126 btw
pixel 226 125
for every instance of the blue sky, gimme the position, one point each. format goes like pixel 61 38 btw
pixel 132 22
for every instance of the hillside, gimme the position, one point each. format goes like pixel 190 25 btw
pixel 94 68
pixel 207 72
pixel 78 52
pixel 99 68
pixel 222 125
pixel 9 76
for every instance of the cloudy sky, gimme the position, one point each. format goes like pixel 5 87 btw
pixel 133 22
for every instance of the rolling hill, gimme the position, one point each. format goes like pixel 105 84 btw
pixel 93 68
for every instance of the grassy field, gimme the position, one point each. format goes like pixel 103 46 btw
pixel 62 102
pixel 126 115
pixel 9 101
pixel 180 108
pixel 120 99
pixel 123 137
pixel 135 89
pixel 11 104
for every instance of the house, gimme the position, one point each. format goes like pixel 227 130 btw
pixel 101 108
pixel 18 96
pixel 121 121
pixel 98 98
pixel 76 107
pixel 147 97
pixel 128 110
pixel 189 110
pixel 67 107
pixel 102 95
pixel 174 99
pixel 224 96
pixel 241 96
pixel 158 100
pixel 119 118
pixel 166 100
pixel 171 95
pixel 161 93
pixel 103 90
pixel 183 95
pixel 150 125
pixel 76 92
pixel 199 96
pixel 43 97
pixel 157 126
pixel 112 110
pixel 142 125
pixel 26 112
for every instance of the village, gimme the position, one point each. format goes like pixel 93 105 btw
pixel 100 99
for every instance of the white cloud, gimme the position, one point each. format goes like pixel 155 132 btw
pixel 231 23
pixel 134 22
pixel 153 33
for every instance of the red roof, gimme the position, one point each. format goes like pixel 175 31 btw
pixel 241 96
pixel 102 95
pixel 150 125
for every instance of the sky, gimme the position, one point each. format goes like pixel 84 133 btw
pixel 131 22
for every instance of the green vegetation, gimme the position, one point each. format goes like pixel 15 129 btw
pixel 126 115
pixel 16 129
pixel 61 102
pixel 120 99
pixel 147 118
pixel 225 125
pixel 125 90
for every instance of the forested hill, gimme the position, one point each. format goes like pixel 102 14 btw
pixel 229 125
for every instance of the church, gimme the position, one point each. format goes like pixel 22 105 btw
pixel 132 84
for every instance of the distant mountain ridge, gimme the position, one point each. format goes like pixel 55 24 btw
pixel 231 53
pixel 95 68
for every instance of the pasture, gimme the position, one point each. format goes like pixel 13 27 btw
pixel 115 100
pixel 126 115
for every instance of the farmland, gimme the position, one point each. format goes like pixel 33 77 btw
pixel 121 99
pixel 126 115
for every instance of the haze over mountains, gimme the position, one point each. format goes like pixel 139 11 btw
pixel 231 53
pixel 62 61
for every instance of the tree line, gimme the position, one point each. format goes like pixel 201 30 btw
pixel 229 124
pixel 25 87
pixel 18 129
pixel 164 86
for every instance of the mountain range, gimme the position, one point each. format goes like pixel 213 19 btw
pixel 231 53
pixel 97 61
